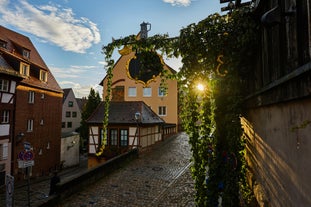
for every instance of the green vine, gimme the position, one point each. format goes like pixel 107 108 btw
pixel 216 52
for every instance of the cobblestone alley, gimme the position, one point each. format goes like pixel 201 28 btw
pixel 160 177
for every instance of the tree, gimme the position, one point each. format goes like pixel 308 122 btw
pixel 93 101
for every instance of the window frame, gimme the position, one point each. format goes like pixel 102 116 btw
pixel 43 75
pixel 113 138
pixel 70 103
pixel 5 117
pixel 29 125
pixel 162 110
pixel 68 114
pixel 69 124
pixel 4 85
pixel 147 93
pixel 24 69
pixel 74 114
pixel 26 53
pixel 129 91
pixel 124 142
pixel 162 92
pixel 31 97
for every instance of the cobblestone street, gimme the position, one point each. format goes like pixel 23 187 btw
pixel 159 177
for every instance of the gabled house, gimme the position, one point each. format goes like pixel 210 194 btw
pixel 131 83
pixel 37 107
pixel 132 124
pixel 71 114
pixel 9 78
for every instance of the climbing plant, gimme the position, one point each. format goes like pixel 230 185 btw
pixel 217 53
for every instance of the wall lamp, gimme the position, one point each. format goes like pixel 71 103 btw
pixel 72 144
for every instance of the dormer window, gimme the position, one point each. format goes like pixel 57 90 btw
pixel 24 69
pixel 43 75
pixel 26 53
pixel 3 44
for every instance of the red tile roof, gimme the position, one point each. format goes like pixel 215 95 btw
pixel 15 44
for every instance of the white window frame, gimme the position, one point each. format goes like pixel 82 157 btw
pixel 5 116
pixel 147 92
pixel 132 92
pixel 31 97
pixel 162 110
pixel 43 76
pixel 24 69
pixel 4 85
pixel 30 125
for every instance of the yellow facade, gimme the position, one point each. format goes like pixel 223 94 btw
pixel 169 102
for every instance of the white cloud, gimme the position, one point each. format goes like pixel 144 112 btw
pixel 74 71
pixel 178 2
pixel 81 90
pixel 51 23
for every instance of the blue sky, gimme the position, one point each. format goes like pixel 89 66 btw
pixel 69 34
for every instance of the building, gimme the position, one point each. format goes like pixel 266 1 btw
pixel 277 121
pixel 9 78
pixel 71 120
pixel 127 87
pixel 36 129
pixel 71 114
pixel 131 124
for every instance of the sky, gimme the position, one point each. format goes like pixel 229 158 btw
pixel 70 34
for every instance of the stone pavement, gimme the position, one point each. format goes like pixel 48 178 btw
pixel 160 177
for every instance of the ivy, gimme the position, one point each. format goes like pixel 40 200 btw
pixel 217 52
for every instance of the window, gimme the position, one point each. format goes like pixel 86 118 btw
pixel 74 114
pixel 26 53
pixel 4 85
pixel 162 110
pixel 63 124
pixel 3 44
pixel 123 137
pixel 43 76
pixel 4 151
pixel 162 92
pixel 69 124
pixel 31 97
pixel 5 116
pixel 70 103
pixel 30 125
pixel 113 137
pixel 147 92
pixel 24 69
pixel 68 114
pixel 132 92
pixel 41 122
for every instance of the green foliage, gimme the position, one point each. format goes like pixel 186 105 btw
pixel 93 100
pixel 216 52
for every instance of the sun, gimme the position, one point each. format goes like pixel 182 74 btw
pixel 200 87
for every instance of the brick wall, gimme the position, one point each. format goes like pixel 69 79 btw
pixel 45 138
